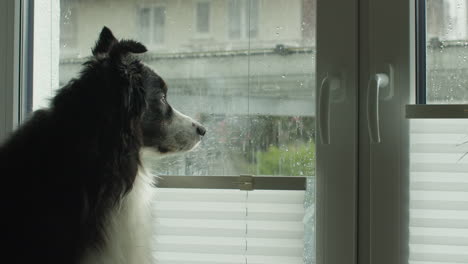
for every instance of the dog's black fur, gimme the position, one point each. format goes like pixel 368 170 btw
pixel 68 165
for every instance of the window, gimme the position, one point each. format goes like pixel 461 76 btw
pixel 443 51
pixel 438 137
pixel 243 18
pixel 259 111
pixel 151 24
pixel 203 17
pixel 381 188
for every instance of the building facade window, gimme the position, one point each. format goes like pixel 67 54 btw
pixel 151 24
pixel 243 19
pixel 203 13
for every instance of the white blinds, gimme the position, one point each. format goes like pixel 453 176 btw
pixel 205 226
pixel 439 191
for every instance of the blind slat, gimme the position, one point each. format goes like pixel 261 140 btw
pixel 441 126
pixel 235 196
pixel 261 229
pixel 440 186
pixel 439 167
pixel 439 222
pixel 442 196
pixel 230 245
pixel 430 257
pixel 439 205
pixel 220 214
pixel 216 258
pixel 460 177
pixel 439 240
pixel 438 148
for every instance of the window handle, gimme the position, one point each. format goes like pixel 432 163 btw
pixel 328 84
pixel 377 82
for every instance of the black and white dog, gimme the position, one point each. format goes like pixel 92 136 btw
pixel 74 190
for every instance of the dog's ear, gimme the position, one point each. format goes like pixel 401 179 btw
pixel 132 46
pixel 124 47
pixel 105 42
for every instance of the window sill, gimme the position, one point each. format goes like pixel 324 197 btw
pixel 437 111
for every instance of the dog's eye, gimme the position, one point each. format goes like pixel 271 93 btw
pixel 163 99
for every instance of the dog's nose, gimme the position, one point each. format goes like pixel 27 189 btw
pixel 201 130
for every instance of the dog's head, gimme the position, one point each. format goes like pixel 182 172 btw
pixel 164 129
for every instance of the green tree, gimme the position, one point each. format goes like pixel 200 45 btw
pixel 295 160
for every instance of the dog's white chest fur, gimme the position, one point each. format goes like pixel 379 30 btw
pixel 129 230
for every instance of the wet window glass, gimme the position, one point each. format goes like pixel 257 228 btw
pixel 447 51
pixel 255 94
pixel 245 69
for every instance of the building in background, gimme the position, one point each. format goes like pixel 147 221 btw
pixel 189 25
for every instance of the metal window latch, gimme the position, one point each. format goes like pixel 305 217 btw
pixel 246 182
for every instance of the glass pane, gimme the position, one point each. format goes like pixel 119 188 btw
pixel 255 96
pixel 439 191
pixel 447 51
pixel 67 26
